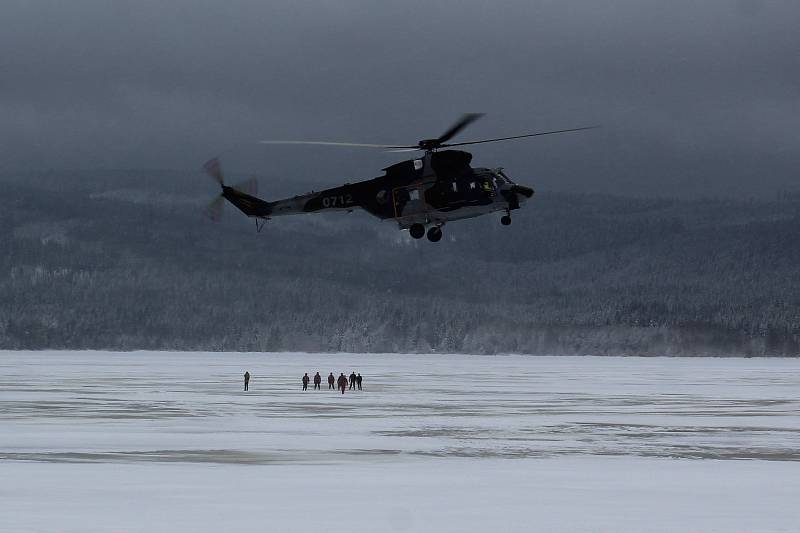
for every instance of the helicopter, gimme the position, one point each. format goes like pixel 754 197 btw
pixel 421 195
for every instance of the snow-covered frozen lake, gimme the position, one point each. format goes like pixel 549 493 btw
pixel 93 441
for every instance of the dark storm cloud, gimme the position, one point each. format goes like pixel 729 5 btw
pixel 694 97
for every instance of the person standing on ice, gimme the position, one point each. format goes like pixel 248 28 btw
pixel 358 380
pixel 246 380
pixel 353 380
pixel 342 382
pixel 317 381
pixel 331 380
pixel 305 381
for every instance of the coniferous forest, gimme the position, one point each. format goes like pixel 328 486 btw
pixel 125 260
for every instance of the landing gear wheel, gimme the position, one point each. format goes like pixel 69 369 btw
pixel 435 234
pixel 506 220
pixel 417 231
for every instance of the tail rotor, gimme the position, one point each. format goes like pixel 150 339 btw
pixel 214 169
pixel 214 209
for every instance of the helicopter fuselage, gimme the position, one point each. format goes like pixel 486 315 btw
pixel 421 195
pixel 429 191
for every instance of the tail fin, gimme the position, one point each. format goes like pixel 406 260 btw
pixel 246 203
pixel 241 195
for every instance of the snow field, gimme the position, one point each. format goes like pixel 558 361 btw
pixel 93 441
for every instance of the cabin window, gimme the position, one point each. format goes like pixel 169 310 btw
pixel 417 164
pixel 413 194
pixel 472 185
pixel 455 186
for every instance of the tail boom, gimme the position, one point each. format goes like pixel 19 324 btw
pixel 246 203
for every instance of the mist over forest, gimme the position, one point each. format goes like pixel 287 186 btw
pixel 125 260
pixel 658 233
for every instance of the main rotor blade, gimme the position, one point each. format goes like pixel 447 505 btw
pixel 398 150
pixel 521 136
pixel 465 121
pixel 328 143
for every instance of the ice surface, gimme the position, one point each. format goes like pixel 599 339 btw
pixel 93 441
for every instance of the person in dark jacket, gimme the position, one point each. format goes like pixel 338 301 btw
pixel 342 382
pixel 317 381
pixel 305 381
pixel 358 380
pixel 353 380
pixel 246 380
pixel 331 380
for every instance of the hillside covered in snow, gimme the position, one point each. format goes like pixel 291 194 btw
pixel 126 260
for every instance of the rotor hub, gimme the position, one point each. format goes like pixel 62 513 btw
pixel 429 145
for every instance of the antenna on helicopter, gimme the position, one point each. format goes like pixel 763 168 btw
pixel 431 145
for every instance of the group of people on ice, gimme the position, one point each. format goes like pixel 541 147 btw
pixel 341 383
pixel 354 381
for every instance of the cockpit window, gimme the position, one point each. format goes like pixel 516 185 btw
pixel 501 176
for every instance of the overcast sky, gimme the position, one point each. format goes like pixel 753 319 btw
pixel 694 97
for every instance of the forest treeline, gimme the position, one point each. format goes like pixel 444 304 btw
pixel 125 260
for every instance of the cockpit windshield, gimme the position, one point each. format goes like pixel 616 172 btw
pixel 501 177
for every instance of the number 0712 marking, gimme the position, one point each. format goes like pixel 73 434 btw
pixel 341 200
